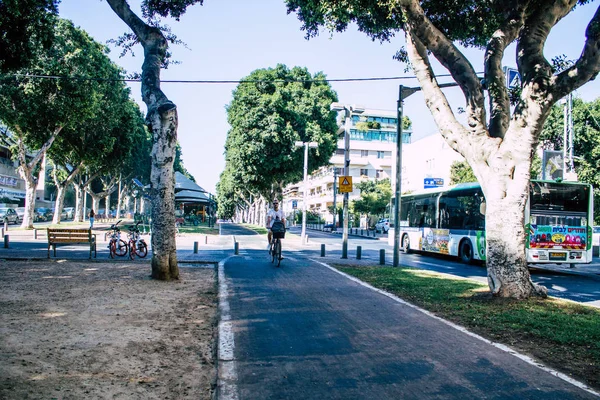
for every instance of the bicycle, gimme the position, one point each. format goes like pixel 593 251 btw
pixel 137 245
pixel 116 245
pixel 278 230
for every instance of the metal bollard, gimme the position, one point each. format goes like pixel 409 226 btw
pixel 195 247
pixel 306 239
pixel 6 241
pixel 35 234
pixel 206 239
pixel 322 250
pixel 236 248
pixel 358 252
pixel 382 257
pixel 5 226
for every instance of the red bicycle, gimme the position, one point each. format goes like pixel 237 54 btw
pixel 137 245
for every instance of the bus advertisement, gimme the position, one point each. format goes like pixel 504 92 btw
pixel 451 221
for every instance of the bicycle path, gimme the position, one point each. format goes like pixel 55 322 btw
pixel 304 331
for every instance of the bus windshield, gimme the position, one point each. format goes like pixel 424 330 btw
pixel 550 196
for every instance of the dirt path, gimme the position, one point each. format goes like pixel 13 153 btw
pixel 75 330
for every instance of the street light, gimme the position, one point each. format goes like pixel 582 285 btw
pixel 348 110
pixel 306 145
pixel 403 93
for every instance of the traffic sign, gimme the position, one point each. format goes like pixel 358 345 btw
pixel 345 183
pixel 429 183
pixel 513 79
pixel 294 204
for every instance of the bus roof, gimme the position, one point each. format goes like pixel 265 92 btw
pixel 475 185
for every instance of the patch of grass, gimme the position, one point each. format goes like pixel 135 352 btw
pixel 201 229
pixel 261 230
pixel 560 334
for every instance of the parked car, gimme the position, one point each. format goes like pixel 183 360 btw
pixel 20 212
pixel 42 214
pixel 9 215
pixel 69 212
pixel 328 228
pixel 383 225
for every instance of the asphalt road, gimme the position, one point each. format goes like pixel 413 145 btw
pixel 303 331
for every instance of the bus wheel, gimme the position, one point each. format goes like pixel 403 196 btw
pixel 466 251
pixel 406 244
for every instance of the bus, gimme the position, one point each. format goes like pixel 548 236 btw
pixel 558 222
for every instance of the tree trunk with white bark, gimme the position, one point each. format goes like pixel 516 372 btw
pixel 162 121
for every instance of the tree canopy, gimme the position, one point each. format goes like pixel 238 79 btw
pixel 27 27
pixel 271 110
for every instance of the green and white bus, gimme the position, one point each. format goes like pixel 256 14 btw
pixel 558 222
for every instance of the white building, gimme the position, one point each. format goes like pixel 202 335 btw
pixel 373 157
pixel 428 159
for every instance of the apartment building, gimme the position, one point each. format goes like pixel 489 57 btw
pixel 372 137
pixel 12 187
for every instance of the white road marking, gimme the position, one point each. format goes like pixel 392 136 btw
pixel 227 379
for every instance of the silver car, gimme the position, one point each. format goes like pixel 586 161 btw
pixel 9 216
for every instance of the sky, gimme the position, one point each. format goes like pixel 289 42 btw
pixel 228 39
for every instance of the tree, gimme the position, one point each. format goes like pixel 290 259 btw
pixel 162 122
pixel 461 172
pixel 498 147
pixel 269 112
pixel 27 27
pixel 37 110
pixel 375 197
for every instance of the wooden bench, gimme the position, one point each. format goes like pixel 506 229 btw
pixel 71 236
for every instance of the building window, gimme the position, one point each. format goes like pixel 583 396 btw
pixel 364 172
pixel 364 153
pixel 339 151
pixel 379 174
pixel 380 154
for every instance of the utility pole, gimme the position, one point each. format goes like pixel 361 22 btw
pixel 335 176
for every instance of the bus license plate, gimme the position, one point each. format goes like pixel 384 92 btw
pixel 558 256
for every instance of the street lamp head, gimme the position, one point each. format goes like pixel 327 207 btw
pixel 336 106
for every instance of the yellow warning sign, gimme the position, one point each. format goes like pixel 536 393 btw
pixel 345 184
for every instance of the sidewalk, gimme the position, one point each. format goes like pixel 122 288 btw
pixel 213 248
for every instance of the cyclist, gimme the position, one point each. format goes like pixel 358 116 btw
pixel 272 215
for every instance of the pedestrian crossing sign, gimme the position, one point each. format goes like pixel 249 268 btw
pixel 345 183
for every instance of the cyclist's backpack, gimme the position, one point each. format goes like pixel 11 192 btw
pixel 278 230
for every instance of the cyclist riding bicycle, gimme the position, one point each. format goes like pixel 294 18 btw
pixel 273 215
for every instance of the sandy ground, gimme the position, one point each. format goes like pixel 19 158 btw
pixel 90 330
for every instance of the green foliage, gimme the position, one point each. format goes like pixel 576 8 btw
pixel 178 164
pixel 269 112
pixel 36 108
pixel 27 28
pixel 374 199
pixel 461 172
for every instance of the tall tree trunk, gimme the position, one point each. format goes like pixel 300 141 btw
pixel 79 193
pixel 505 236
pixel 30 186
pixel 162 121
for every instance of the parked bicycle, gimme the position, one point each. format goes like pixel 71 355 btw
pixel 278 230
pixel 137 245
pixel 116 245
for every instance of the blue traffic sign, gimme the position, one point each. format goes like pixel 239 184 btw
pixel 294 204
pixel 513 79
pixel 429 183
